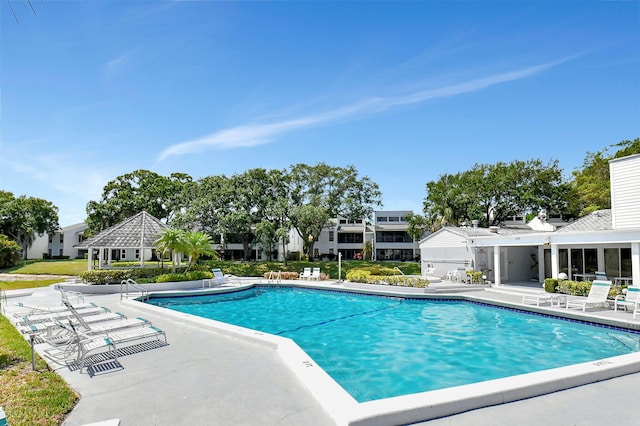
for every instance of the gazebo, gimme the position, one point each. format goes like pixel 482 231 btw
pixel 131 239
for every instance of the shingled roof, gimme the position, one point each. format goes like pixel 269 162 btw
pixel 600 220
pixel 139 231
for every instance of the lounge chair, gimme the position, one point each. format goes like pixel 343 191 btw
pixel 552 298
pixel 102 327
pixel 80 345
pixel 315 274
pixel 38 318
pixel 39 309
pixel 627 300
pixel 45 326
pixel 218 279
pixel 597 296
pixel 306 274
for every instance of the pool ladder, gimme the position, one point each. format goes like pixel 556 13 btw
pixel 273 275
pixel 129 282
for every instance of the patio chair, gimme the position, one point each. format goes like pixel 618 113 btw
pixel 597 296
pixel 218 278
pixel 627 300
pixel 40 309
pixel 306 274
pixel 315 274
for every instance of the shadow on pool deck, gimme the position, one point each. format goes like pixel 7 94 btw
pixel 204 378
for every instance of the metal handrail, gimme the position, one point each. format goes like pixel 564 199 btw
pixel 395 268
pixel 131 282
pixel 278 277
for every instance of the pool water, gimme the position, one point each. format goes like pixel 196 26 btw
pixel 378 347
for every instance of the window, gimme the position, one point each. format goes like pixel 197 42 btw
pixel 393 237
pixel 350 238
pixel 331 235
pixel 382 219
pixel 61 253
pixel 50 239
pixel 343 221
pixel 123 254
pixel 617 262
pixel 61 238
pixel 137 254
pixel 394 219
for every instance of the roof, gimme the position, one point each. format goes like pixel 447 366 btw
pixel 140 230
pixel 599 220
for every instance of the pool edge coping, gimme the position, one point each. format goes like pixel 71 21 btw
pixel 423 406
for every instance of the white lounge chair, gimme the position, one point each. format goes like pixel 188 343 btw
pixel 315 274
pixel 306 274
pixel 627 300
pixel 218 278
pixel 81 345
pixel 553 298
pixel 597 296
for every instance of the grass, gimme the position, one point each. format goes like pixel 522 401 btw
pixel 30 397
pixel 49 267
pixel 18 285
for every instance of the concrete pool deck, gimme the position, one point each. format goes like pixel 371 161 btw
pixel 206 377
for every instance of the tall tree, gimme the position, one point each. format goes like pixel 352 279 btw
pixel 320 192
pixel 197 244
pixel 23 218
pixel 134 192
pixel 592 182
pixel 491 193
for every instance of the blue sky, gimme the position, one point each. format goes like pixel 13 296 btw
pixel 404 91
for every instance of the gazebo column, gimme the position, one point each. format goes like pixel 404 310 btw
pixel 89 259
pixel 109 256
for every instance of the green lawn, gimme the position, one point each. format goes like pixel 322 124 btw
pixel 30 397
pixel 50 267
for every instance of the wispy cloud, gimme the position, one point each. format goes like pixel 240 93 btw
pixel 257 134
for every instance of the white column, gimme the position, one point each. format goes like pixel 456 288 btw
pixel 109 257
pixel 89 259
pixel 541 264
pixel 496 264
pixel 635 263
pixel 555 261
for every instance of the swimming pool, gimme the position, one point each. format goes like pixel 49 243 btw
pixel 380 347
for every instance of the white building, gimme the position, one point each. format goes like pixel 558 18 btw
pixel 605 240
pixel 60 243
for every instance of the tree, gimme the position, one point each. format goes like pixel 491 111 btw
pixel 592 183
pixel 418 225
pixel 320 192
pixel 9 252
pixel 134 192
pixel 493 193
pixel 196 244
pixel 171 241
pixel 22 218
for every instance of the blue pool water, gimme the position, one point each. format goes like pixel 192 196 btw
pixel 378 347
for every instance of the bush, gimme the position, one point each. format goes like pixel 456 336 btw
pixel 9 252
pixel 185 276
pixel 551 285
pixel 106 276
pixel 285 275
pixel 358 275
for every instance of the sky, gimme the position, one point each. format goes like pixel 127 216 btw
pixel 405 91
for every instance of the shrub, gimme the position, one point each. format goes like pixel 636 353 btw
pixel 358 275
pixel 551 285
pixel 185 276
pixel 106 276
pixel 9 252
pixel 285 275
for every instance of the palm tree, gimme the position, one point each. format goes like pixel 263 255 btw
pixel 171 241
pixel 196 244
